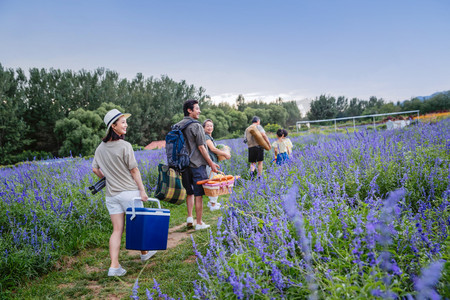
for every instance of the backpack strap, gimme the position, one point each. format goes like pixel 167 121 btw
pixel 188 123
pixel 183 128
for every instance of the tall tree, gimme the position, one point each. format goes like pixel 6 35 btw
pixel 81 132
pixel 277 115
pixel 322 108
pixel 292 111
pixel 13 128
pixel 373 106
pixel 43 109
pixel 355 108
pixel 341 106
pixel 238 121
pixel 240 102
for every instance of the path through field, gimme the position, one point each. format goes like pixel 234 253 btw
pixel 84 276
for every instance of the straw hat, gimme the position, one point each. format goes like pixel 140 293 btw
pixel 111 116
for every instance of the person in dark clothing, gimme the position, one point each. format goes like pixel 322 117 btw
pixel 199 159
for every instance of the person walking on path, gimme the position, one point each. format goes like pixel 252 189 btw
pixel 208 126
pixel 114 158
pixel 199 158
pixel 255 151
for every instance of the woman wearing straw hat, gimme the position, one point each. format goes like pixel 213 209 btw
pixel 114 159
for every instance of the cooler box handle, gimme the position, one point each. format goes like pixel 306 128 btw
pixel 133 210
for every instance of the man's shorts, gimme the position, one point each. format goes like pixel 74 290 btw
pixel 119 203
pixel 190 176
pixel 255 154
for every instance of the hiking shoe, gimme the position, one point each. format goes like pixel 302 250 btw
pixel 117 271
pixel 147 256
pixel 215 207
pixel 190 222
pixel 201 226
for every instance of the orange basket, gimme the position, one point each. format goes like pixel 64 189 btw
pixel 218 186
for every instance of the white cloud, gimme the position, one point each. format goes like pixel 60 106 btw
pixel 230 98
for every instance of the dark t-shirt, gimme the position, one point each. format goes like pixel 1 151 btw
pixel 212 154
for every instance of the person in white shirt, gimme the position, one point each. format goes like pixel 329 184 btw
pixel 280 148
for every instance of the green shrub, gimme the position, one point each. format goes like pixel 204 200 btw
pixel 272 127
pixel 137 147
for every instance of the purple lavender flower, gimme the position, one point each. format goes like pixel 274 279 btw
pixel 148 294
pixel 291 210
pixel 134 294
pixel 389 213
pixel 425 285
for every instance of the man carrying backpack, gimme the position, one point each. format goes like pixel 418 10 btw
pixel 199 158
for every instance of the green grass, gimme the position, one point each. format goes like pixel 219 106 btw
pixel 84 275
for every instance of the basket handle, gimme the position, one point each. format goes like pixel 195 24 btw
pixel 210 178
pixel 218 172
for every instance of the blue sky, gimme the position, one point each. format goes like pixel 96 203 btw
pixel 298 50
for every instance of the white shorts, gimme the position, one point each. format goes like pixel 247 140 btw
pixel 119 203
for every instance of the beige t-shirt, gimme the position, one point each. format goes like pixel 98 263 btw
pixel 288 143
pixel 116 159
pixel 280 146
pixel 251 141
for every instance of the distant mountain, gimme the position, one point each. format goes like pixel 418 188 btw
pixel 303 106
pixel 423 98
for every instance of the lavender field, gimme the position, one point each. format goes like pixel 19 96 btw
pixel 362 215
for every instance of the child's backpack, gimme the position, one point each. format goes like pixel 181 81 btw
pixel 177 154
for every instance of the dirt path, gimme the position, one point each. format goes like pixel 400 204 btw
pixel 176 236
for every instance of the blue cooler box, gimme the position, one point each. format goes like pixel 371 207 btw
pixel 147 228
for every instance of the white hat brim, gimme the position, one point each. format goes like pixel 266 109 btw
pixel 126 115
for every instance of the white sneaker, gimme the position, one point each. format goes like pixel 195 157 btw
pixel 147 256
pixel 210 204
pixel 215 207
pixel 117 271
pixel 201 226
pixel 190 222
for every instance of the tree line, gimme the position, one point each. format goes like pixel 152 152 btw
pixel 329 107
pixel 60 112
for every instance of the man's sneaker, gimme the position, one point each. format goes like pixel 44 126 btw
pixel 215 207
pixel 190 222
pixel 117 271
pixel 201 226
pixel 147 256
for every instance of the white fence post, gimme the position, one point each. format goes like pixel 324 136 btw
pixel 359 117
